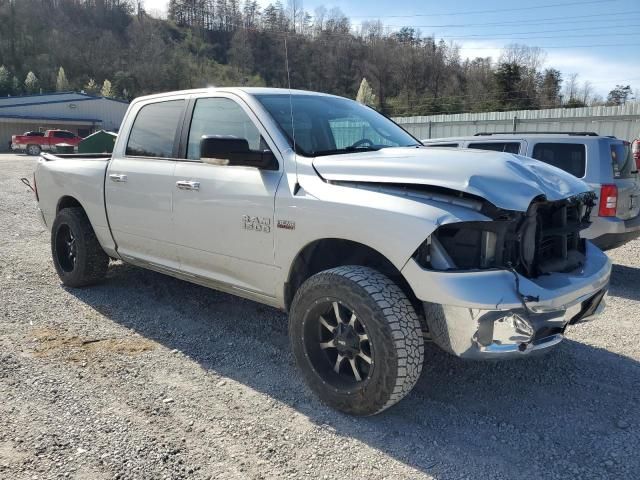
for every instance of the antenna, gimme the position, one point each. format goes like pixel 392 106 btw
pixel 293 128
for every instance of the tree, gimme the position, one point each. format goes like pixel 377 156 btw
pixel 508 77
pixel 31 83
pixel 5 82
pixel 571 88
pixel 550 87
pixel 107 90
pixel 240 54
pixel 62 84
pixel 365 94
pixel 16 86
pixel 91 87
pixel 619 95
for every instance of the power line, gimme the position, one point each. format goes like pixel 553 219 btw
pixel 474 12
pixel 575 19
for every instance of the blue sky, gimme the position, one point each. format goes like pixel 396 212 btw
pixel 597 39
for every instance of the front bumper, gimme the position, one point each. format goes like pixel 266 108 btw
pixel 479 314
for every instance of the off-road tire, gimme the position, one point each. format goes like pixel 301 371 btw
pixel 33 150
pixel 392 326
pixel 439 330
pixel 91 261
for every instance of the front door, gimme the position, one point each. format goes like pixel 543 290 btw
pixel 139 187
pixel 224 215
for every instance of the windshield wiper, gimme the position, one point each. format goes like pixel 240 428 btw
pixel 338 151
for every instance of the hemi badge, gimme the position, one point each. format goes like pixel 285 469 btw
pixel 287 224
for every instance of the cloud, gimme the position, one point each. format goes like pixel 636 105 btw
pixel 602 72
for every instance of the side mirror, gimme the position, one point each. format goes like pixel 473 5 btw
pixel 234 151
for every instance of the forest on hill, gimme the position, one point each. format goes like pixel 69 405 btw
pixel 115 48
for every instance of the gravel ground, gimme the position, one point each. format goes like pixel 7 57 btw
pixel 149 377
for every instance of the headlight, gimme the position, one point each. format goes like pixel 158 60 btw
pixel 468 246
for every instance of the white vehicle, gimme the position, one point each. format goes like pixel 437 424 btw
pixel 322 207
pixel 605 163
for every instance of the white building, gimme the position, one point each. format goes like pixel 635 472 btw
pixel 78 112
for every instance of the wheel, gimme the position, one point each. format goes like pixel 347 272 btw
pixel 356 339
pixel 33 150
pixel 77 255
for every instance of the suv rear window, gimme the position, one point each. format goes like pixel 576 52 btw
pixel 509 147
pixel 154 129
pixel 570 157
pixel 622 160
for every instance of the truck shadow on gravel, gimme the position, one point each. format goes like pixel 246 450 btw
pixel 571 414
pixel 625 282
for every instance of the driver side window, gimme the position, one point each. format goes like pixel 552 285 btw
pixel 221 116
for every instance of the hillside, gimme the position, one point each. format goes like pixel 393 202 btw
pixel 228 42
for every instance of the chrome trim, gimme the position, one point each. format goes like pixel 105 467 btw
pixel 118 177
pixel 542 344
pixel 188 185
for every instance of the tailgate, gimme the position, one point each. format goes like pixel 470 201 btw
pixel 628 198
pixel 626 179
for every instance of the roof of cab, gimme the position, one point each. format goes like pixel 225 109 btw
pixel 246 90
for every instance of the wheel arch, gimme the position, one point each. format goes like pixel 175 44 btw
pixel 323 254
pixel 68 201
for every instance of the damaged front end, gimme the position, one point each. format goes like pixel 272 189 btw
pixel 544 239
pixel 511 285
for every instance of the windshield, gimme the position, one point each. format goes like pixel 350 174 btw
pixel 333 125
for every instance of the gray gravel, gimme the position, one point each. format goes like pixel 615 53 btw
pixel 149 377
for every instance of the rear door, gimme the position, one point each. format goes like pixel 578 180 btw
pixel 139 185
pixel 224 214
pixel 625 178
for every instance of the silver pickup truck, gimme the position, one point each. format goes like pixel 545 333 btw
pixel 324 208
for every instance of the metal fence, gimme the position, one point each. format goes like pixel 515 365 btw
pixel 622 121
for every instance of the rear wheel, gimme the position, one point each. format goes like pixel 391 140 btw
pixel 33 150
pixel 77 255
pixel 356 339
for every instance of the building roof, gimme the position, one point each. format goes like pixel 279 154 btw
pixel 54 97
pixel 49 118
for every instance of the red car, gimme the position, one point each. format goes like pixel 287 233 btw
pixel 35 142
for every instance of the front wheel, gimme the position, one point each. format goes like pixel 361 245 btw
pixel 77 255
pixel 356 339
pixel 33 150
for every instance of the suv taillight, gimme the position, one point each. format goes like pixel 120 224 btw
pixel 635 151
pixel 608 201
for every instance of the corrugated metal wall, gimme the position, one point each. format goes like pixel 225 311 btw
pixel 622 121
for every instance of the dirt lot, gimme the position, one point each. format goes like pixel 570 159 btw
pixel 148 377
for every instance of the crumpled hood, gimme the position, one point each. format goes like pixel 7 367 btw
pixel 508 181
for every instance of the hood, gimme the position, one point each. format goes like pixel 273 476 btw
pixel 508 181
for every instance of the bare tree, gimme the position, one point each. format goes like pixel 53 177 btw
pixel 571 87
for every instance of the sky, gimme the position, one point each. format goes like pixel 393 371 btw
pixel 597 39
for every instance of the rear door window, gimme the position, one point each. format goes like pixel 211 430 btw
pixel 570 157
pixel 509 147
pixel 154 130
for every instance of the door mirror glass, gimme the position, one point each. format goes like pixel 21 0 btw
pixel 234 151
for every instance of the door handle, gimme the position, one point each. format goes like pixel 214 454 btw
pixel 188 185
pixel 118 177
